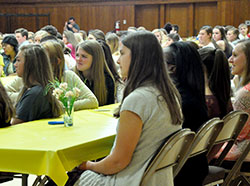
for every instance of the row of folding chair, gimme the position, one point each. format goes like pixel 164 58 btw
pixel 233 124
pixel 185 144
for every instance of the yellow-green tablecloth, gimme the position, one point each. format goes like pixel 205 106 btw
pixel 41 149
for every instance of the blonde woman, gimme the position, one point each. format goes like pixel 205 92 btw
pixel 87 99
pixel 78 37
pixel 39 35
pixel 158 34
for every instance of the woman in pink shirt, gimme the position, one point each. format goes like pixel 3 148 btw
pixel 70 41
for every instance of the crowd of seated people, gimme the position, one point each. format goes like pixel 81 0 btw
pixel 161 82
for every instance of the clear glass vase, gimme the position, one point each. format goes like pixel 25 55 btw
pixel 68 115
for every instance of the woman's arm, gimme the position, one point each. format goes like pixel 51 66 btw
pixel 15 121
pixel 13 88
pixel 221 44
pixel 128 135
pixel 242 102
pixel 87 99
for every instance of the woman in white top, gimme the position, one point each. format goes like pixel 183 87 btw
pixel 205 37
pixel 150 111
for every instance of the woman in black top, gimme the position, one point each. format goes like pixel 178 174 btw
pixel 184 64
pixel 94 71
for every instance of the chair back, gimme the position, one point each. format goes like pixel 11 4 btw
pixel 235 171
pixel 233 124
pixel 204 140
pixel 170 153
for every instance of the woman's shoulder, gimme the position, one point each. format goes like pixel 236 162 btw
pixel 242 98
pixel 247 87
pixel 36 88
pixel 142 101
pixel 244 91
pixel 34 92
pixel 146 93
pixel 69 73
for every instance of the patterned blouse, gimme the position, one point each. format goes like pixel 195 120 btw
pixel 242 102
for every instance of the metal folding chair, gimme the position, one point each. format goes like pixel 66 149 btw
pixel 233 124
pixel 170 154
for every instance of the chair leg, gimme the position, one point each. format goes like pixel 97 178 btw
pixel 245 180
pixel 240 181
pixel 25 179
pixel 43 181
pixel 37 180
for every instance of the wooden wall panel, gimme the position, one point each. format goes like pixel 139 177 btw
pixel 43 21
pixel 233 12
pixel 104 17
pixel 6 22
pixel 182 15
pixel 87 17
pixel 190 15
pixel 26 22
pixel 147 16
pixel 204 14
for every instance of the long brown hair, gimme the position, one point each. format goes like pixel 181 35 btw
pixel 97 69
pixel 147 67
pixel 6 108
pixel 37 68
pixel 245 47
pixel 55 52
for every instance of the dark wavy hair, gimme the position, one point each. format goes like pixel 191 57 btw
pixel 188 68
pixel 218 75
pixel 228 47
pixel 148 67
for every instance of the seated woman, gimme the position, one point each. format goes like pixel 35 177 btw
pixel 10 46
pixel 217 82
pixel 70 41
pixel 6 108
pixel 233 36
pixel 113 41
pixel 185 65
pixel 241 66
pixel 149 112
pixel 87 99
pixel 205 37
pixel 159 35
pixel 171 38
pixel 96 34
pixel 34 67
pixel 93 70
pixel 219 35
pixel 111 64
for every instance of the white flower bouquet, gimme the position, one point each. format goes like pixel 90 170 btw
pixel 66 94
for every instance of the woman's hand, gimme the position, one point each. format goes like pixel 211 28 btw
pixel 83 166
